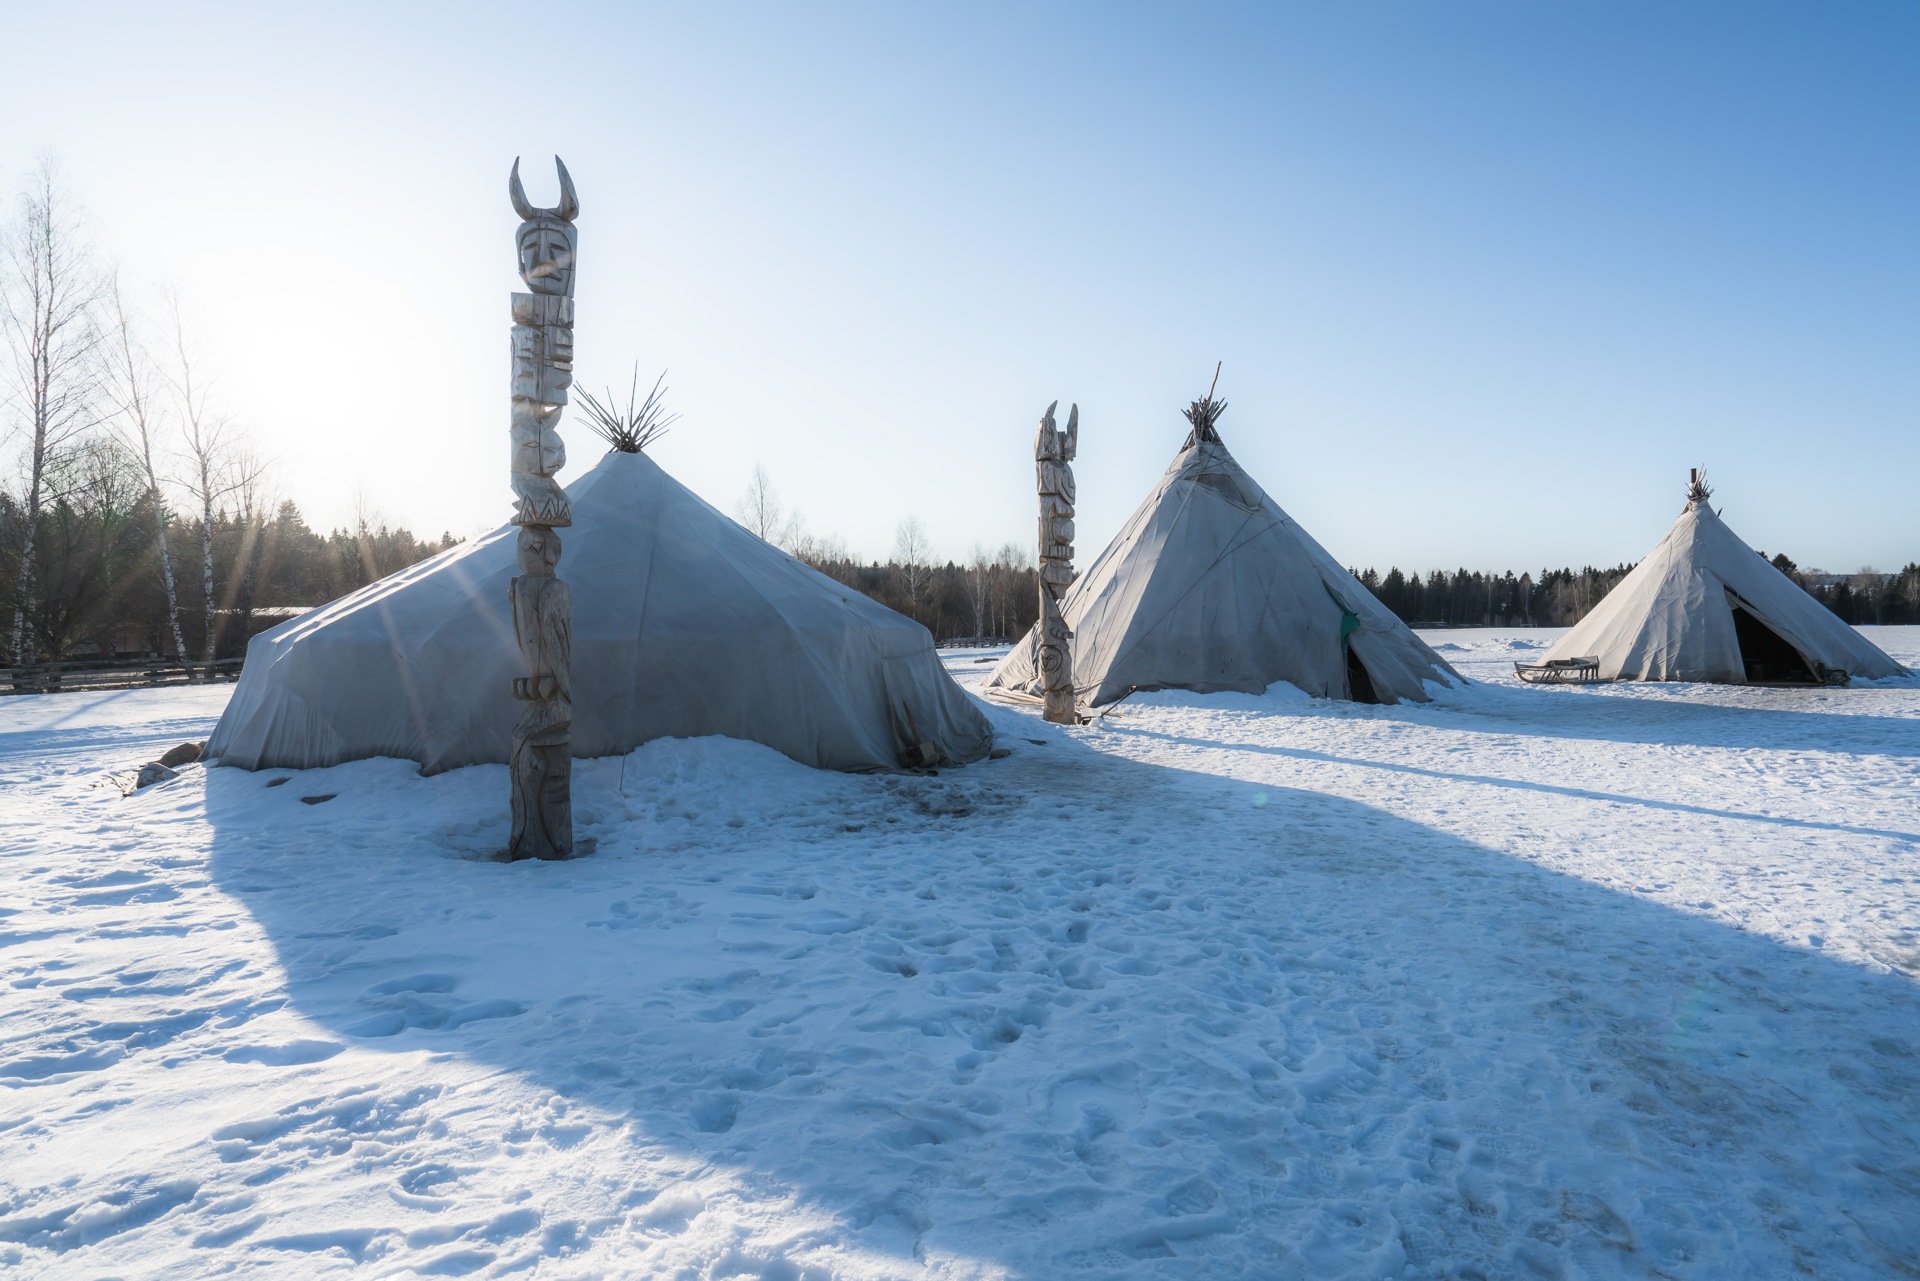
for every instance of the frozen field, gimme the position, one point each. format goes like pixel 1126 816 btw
pixel 1603 982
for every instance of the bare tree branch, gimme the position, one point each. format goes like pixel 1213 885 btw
pixel 129 386
pixel 49 292
pixel 760 510
pixel 216 463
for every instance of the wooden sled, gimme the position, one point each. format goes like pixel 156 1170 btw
pixel 1560 671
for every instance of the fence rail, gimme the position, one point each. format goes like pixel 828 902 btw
pixel 53 678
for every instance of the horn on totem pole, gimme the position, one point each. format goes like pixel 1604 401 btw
pixel 567 210
pixel 519 194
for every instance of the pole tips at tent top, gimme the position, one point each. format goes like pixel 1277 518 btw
pixel 631 430
pixel 1204 413
pixel 1697 488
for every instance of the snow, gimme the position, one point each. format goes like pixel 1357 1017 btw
pixel 1611 981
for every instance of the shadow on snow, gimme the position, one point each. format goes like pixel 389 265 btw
pixel 1074 1015
pixel 1660 714
pixel 1520 784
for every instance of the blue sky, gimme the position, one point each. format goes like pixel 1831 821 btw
pixel 1486 278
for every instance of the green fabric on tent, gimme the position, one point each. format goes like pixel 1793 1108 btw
pixel 1349 621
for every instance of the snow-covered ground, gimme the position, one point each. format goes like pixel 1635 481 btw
pixel 1567 982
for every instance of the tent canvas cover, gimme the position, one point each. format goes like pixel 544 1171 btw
pixel 1704 606
pixel 684 624
pixel 1210 586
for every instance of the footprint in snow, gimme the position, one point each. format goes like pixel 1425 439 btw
pixel 291 1054
pixel 412 1002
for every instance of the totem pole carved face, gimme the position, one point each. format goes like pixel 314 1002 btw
pixel 537 551
pixel 546 241
pixel 546 256
pixel 537 447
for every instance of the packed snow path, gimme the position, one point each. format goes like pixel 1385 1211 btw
pixel 1605 982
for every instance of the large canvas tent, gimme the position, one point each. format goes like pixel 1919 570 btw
pixel 684 624
pixel 1211 586
pixel 1704 606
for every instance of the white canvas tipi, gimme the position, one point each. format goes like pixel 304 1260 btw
pixel 684 624
pixel 1704 606
pixel 1210 586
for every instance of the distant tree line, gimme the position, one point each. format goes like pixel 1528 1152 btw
pixel 992 597
pixel 100 590
pixel 989 597
pixel 1868 597
pixel 1468 598
pixel 98 587
pixel 1562 597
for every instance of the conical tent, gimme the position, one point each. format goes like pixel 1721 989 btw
pixel 1210 586
pixel 684 624
pixel 1704 606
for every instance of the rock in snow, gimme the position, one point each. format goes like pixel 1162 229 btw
pixel 181 754
pixel 153 772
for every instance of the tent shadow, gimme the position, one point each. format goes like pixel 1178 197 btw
pixel 1067 1014
pixel 1582 714
pixel 1526 785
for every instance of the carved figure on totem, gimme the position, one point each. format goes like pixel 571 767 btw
pixel 541 764
pixel 542 759
pixel 542 351
pixel 1053 451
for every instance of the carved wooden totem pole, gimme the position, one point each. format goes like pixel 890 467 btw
pixel 542 761
pixel 1053 450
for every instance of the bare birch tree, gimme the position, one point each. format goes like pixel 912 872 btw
pixel 1009 583
pixel 368 523
pixel 979 583
pixel 130 388
pixel 818 550
pixel 760 510
pixel 256 500
pixel 216 465
pixel 49 290
pixel 912 552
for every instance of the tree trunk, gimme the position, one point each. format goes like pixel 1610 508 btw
pixel 21 652
pixel 166 567
pixel 206 581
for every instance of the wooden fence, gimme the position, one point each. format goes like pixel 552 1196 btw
pixel 53 678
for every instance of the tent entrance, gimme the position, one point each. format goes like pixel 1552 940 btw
pixel 1766 655
pixel 1359 684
